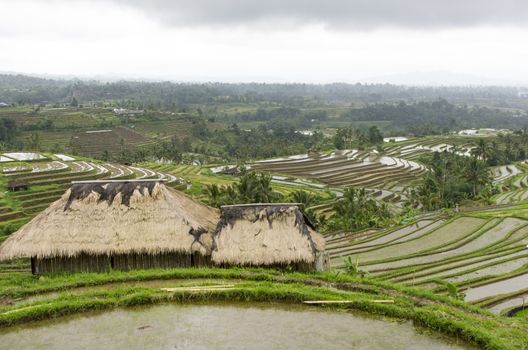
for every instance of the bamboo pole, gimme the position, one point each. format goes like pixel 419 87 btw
pixel 200 288
pixel 316 302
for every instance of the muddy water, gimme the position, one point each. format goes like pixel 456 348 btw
pixel 513 302
pixel 509 285
pixel 223 326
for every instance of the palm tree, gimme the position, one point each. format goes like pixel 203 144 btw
pixel 256 188
pixel 231 195
pixel 477 174
pixel 481 151
pixel 357 209
pixel 305 198
pixel 213 192
pixel 524 136
pixel 349 137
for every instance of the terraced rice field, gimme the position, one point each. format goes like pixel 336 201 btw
pixel 165 129
pixel 49 178
pixel 413 149
pixel 386 176
pixel 199 177
pixel 349 168
pixel 94 143
pixel 504 172
pixel 512 181
pixel 485 254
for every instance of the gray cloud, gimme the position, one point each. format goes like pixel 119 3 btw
pixel 337 14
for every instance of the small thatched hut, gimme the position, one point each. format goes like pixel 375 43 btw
pixel 273 235
pixel 102 225
pixel 15 186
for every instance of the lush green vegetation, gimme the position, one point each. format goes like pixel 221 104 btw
pixel 451 180
pixel 20 89
pixel 437 117
pixel 8 131
pixel 239 121
pixel 265 141
pixel 505 149
pixel 357 198
pixel 357 138
pixel 253 187
pixel 356 210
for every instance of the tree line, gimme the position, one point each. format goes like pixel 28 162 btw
pixel 436 117
pixel 33 90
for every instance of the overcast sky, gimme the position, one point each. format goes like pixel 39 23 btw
pixel 399 41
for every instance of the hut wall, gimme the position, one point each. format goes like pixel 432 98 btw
pixel 80 263
pixel 199 260
pixel 123 262
pixel 300 266
pixel 150 261
pixel 322 260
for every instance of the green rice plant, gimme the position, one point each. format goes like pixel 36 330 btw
pixel 352 267
pixel 453 291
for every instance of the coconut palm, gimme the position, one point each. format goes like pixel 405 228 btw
pixel 481 151
pixel 303 197
pixel 524 136
pixel 256 188
pixel 477 174
pixel 213 192
pixel 356 210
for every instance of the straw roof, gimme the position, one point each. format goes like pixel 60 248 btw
pixel 115 217
pixel 265 234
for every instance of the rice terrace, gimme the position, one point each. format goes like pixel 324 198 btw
pixel 263 175
pixel 74 232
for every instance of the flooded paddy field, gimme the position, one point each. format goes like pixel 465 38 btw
pixel 223 326
pixel 500 287
pixel 519 301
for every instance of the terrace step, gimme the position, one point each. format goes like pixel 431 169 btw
pixel 10 216
pixel 31 174
pixel 65 180
pixel 35 209
pixel 39 194
pixel 40 201
pixel 4 210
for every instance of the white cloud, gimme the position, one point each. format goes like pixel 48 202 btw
pixel 337 14
pixel 106 38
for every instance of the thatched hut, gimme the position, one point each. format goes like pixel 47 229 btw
pixel 273 235
pixel 103 225
pixel 15 186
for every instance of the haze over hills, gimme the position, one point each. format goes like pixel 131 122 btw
pixel 12 85
pixel 418 78
pixel 444 78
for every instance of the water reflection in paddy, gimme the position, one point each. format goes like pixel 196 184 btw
pixel 219 326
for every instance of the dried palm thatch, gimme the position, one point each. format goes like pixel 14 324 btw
pixel 267 235
pixel 115 218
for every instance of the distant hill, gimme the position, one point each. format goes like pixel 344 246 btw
pixel 16 88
